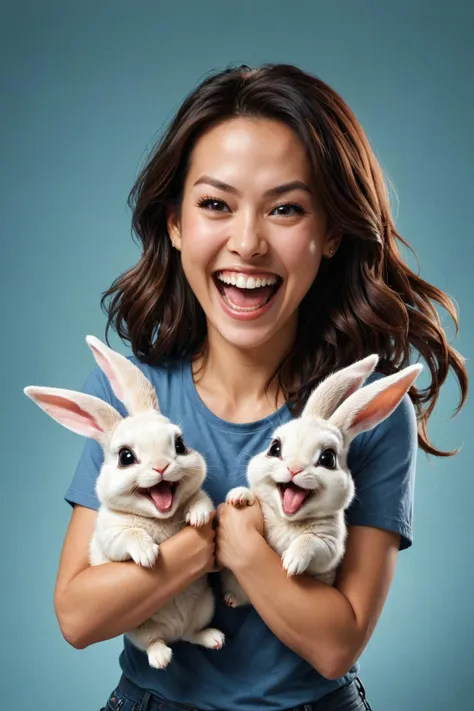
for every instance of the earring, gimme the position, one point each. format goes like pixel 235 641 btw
pixel 173 243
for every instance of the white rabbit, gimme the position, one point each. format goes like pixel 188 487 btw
pixel 149 487
pixel 303 482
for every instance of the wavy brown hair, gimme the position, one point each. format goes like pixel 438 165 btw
pixel 364 300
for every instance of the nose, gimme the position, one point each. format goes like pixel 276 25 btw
pixel 247 240
pixel 294 471
pixel 161 467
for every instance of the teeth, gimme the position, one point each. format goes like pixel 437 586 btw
pixel 243 282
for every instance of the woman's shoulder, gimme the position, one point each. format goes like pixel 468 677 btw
pixel 383 464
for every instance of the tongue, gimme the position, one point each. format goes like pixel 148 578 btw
pixel 293 498
pixel 248 297
pixel 162 496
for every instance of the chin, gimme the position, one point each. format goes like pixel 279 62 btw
pixel 249 336
pixel 244 336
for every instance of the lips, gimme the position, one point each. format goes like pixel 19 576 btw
pixel 161 494
pixel 246 294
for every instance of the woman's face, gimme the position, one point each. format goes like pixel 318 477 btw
pixel 250 232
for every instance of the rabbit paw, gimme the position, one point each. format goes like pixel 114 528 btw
pixel 240 496
pixel 209 638
pixel 296 559
pixel 199 514
pixel 143 550
pixel 159 655
pixel 231 600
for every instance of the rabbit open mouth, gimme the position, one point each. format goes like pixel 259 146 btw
pixel 292 497
pixel 161 494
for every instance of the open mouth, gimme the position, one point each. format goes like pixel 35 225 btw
pixel 161 494
pixel 292 497
pixel 247 295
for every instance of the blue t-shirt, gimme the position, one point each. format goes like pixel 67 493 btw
pixel 254 669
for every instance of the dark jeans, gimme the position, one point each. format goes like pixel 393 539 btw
pixel 128 697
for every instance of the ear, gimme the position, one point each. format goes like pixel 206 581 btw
pixel 127 381
pixel 173 224
pixel 84 414
pixel 332 243
pixel 371 405
pixel 334 389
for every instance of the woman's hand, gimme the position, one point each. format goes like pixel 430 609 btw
pixel 236 530
pixel 199 546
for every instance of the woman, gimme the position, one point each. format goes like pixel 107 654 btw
pixel 269 259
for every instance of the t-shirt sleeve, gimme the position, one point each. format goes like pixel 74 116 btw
pixel 383 463
pixel 82 488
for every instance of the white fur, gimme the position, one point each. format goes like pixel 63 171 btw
pixel 312 539
pixel 128 524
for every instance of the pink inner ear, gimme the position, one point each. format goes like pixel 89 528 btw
pixel 381 406
pixel 108 369
pixel 70 414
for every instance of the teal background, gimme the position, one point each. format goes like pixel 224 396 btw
pixel 86 87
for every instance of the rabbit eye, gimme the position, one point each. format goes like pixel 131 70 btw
pixel 327 459
pixel 179 446
pixel 126 457
pixel 275 449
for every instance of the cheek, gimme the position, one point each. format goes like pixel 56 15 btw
pixel 302 253
pixel 313 248
pixel 303 267
pixel 201 237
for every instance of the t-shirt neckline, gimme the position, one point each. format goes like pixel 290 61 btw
pixel 276 418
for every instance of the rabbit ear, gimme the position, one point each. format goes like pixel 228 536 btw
pixel 334 389
pixel 84 414
pixel 373 403
pixel 127 381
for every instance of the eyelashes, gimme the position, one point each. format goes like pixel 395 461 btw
pixel 207 201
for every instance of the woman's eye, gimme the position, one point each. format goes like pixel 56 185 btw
pixel 211 204
pixel 179 446
pixel 327 459
pixel 126 457
pixel 275 449
pixel 285 209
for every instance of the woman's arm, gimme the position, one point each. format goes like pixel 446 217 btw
pixel 94 603
pixel 327 626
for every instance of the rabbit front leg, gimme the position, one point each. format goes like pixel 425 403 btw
pixel 240 496
pixel 199 509
pixel 309 548
pixel 131 542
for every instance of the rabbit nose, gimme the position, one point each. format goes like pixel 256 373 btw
pixel 161 468
pixel 294 471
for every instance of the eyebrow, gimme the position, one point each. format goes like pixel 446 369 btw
pixel 273 192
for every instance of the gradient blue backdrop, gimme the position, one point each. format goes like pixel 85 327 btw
pixel 86 87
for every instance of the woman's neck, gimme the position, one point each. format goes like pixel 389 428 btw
pixel 233 382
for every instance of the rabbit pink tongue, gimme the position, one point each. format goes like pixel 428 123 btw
pixel 293 498
pixel 162 496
